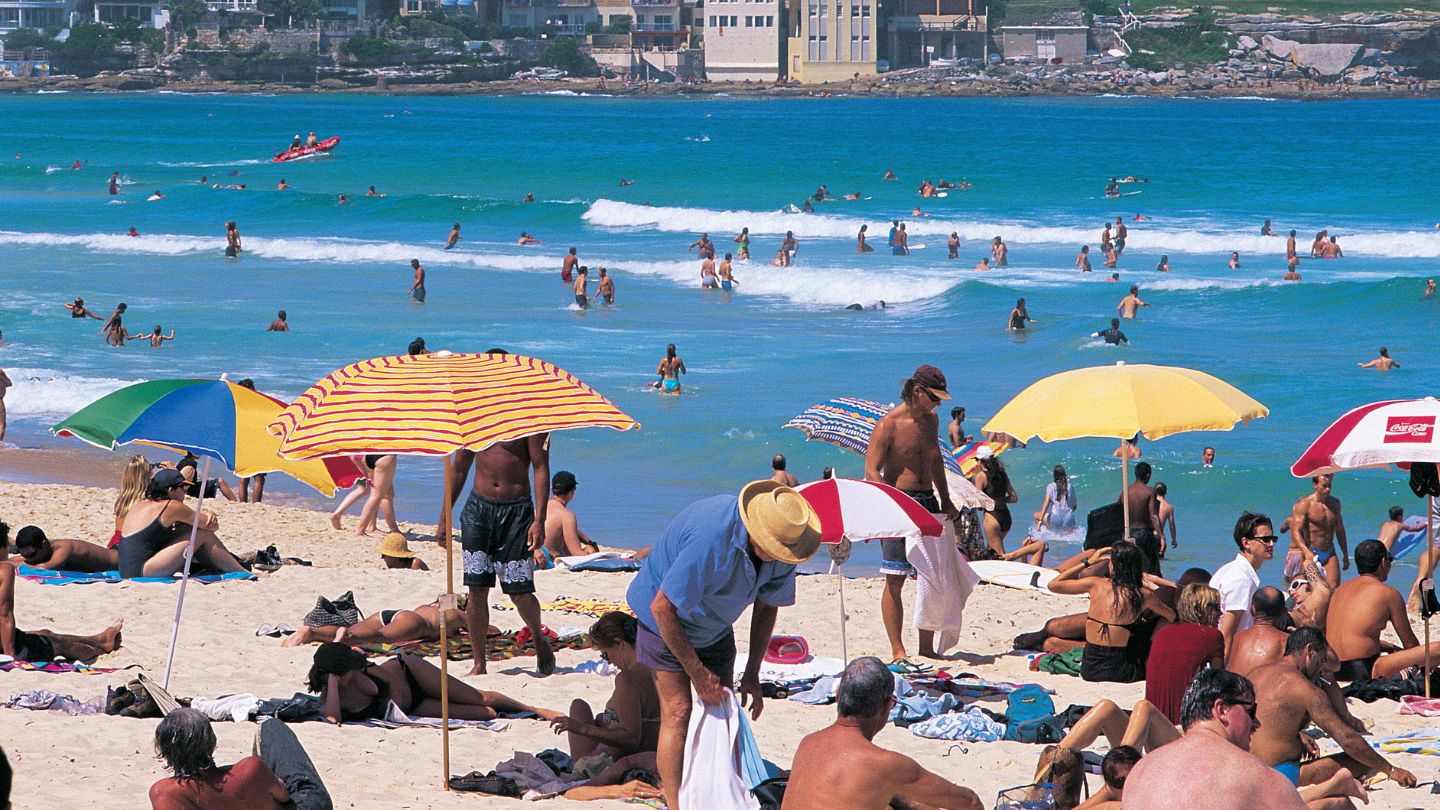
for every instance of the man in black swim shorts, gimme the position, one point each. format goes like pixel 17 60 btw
pixel 44 646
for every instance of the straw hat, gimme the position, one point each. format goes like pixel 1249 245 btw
pixel 394 544
pixel 780 521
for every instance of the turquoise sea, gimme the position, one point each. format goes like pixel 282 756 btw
pixel 782 341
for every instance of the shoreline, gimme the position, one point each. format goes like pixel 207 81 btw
pixel 879 88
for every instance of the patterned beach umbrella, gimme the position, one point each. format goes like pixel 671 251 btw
pixel 848 422
pixel 432 404
pixel 855 510
pixel 1397 431
pixel 211 418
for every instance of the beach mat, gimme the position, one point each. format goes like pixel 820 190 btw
pixel 60 667
pixel 44 576
pixel 582 607
pixel 499 648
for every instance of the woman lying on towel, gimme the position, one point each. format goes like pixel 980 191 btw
pixel 630 723
pixel 388 626
pixel 351 688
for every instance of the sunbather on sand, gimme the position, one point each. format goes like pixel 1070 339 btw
pixel 632 777
pixel 388 626
pixel 394 551
pixel 351 688
pixel 44 646
pixel 64 555
pixel 156 532
pixel 630 723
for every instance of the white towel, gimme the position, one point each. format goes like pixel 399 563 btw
pixel 227 707
pixel 946 581
pixel 712 778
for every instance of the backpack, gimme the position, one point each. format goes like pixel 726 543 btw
pixel 1030 716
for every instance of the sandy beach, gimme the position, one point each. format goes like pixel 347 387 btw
pixel 107 762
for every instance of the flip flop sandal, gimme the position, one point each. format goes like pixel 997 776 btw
pixel 476 782
pixel 268 630
pixel 904 666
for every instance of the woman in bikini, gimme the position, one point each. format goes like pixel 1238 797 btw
pixel 630 723
pixel 1117 627
pixel 387 626
pixel 156 532
pixel 351 688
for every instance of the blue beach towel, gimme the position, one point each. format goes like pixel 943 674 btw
pixel 47 577
pixel 615 564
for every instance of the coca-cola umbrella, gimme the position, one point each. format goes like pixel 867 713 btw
pixel 1395 432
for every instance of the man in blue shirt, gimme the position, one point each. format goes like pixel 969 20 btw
pixel 717 557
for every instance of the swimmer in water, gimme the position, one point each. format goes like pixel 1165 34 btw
pixel 983 264
pixel 526 239
pixel 417 286
pixel 1112 189
pixel 671 367
pixel 727 276
pixel 1113 277
pixel 1130 303
pixel 1164 265
pixel 581 287
pixel 708 280
pixel 1429 287
pixel 1266 230
pixel 624 183
pixel 529 198
pixel 953 245
pixel 853 196
pixel 454 236
pixel 743 240
pixel 999 252
pixel 1291 275
pixel 1113 336
pixel 156 339
pixel 916 212
pixel 1381 363
pixel 860 246
pixel 568 265
pixel 871 305
pixel 114 183
pixel 1331 249
pixel 890 175
pixel 1082 261
pixel 282 185
pixel 133 232
pixel 1019 316
pixel 371 192
pixel 606 287
pixel 78 310
pixel 1140 218
pixel 1234 260
pixel 233 247
pixel 343 200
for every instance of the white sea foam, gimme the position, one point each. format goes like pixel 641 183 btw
pixel 197 164
pixel 1144 235
pixel 45 392
pixel 808 286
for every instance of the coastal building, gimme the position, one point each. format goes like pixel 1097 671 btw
pixel 150 13
pixel 655 44
pixel 1045 33
pixel 831 42
pixel 743 39
pixel 924 31
pixel 33 14
pixel 561 17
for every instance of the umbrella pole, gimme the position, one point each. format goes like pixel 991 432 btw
pixel 445 532
pixel 1124 483
pixel 1424 558
pixel 185 577
pixel 845 644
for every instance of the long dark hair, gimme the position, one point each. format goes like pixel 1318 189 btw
pixel 613 628
pixel 1062 483
pixel 333 658
pixel 996 479
pixel 1127 567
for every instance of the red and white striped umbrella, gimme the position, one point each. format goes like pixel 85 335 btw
pixel 855 510
pixel 1395 432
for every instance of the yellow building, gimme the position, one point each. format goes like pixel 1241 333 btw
pixel 831 40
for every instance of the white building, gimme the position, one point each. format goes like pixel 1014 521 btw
pixel 150 13
pixel 742 40
pixel 35 14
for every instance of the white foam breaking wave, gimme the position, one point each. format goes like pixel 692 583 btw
pixel 200 164
pixel 806 285
pixel 1144 235
pixel 45 392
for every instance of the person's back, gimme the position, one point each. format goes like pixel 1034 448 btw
pixel 1177 652
pixel 1284 697
pixel 1206 764
pixel 247 785
pixel 1359 610
pixel 1256 646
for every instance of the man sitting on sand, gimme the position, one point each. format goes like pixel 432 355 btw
pixel 1264 641
pixel 281 774
pixel 840 766
pixel 1212 759
pixel 389 626
pixel 64 555
pixel 1289 699
pixel 563 537
pixel 44 646
pixel 1359 611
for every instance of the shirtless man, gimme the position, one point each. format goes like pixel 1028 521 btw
pixel 233 245
pixel 186 743
pixel 605 287
pixel 64 555
pixel 78 310
pixel 840 766
pixel 982 265
pixel 1290 246
pixel 707 249
pixel 708 279
pixel 1106 240
pixel 581 287
pixel 1358 614
pixel 1429 288
pixel 1121 232
pixel 1144 528
pixel 1391 528
pixel 1130 303
pixel 501 526
pixel 114 327
pixel 1262 642
pixel 563 537
pixel 417 286
pixel 280 324
pixel 955 431
pixel 1310 594
pixel 567 266
pixel 727 274
pixel 1383 362
pixel 999 252
pixel 780 475
pixel 1316 521
pixel 156 339
pixel 903 453
pixel 44 646
pixel 1288 699
pixel 453 237
pixel 1167 518
pixel 5 384
pixel 1212 759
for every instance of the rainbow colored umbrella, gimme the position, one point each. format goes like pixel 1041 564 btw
pixel 215 419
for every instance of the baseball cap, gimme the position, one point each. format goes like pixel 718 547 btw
pixel 932 379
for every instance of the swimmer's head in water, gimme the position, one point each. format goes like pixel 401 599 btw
pixel 1384 352
pixel 1396 513
pixel 417 347
pixel 280 314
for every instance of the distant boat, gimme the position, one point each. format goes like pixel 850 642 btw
pixel 300 152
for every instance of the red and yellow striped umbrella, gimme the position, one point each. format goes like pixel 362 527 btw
pixel 432 404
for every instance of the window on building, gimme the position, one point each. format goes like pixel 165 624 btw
pixel 824 48
pixel 769 21
pixel 814 10
pixel 864 11
pixel 855 11
pixel 712 21
pixel 854 47
pixel 824 10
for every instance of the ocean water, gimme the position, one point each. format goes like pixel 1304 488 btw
pixel 783 340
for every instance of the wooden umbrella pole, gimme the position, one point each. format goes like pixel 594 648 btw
pixel 445 605
pixel 1425 558
pixel 845 645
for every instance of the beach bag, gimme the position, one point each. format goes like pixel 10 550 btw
pixel 338 612
pixel 1039 796
pixel 771 792
pixel 1104 526
pixel 1030 716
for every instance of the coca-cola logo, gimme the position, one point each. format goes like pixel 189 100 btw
pixel 1409 429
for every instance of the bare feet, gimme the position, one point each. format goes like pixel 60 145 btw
pixel 301 636
pixel 545 657
pixel 478 669
pixel 1029 641
pixel 109 639
pixel 335 521
pixel 361 533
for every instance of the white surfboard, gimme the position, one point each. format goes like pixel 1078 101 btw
pixel 942 194
pixel 1017 575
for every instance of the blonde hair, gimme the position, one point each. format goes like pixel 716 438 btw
pixel 1199 604
pixel 132 484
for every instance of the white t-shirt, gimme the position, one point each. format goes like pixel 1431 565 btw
pixel 1237 582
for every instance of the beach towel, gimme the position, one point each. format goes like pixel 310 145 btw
pixel 971 726
pixel 945 583
pixel 59 667
pixel 599 561
pixel 46 701
pixel 1421 741
pixel 712 759
pixel 394 718
pixel 498 648
pixel 583 607
pixel 816 667
pixel 1423 706
pixel 45 576
pixel 1066 663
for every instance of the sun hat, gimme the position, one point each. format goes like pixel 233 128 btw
pixel 780 521
pixel 984 451
pixel 787 650
pixel 166 477
pixel 932 379
pixel 394 544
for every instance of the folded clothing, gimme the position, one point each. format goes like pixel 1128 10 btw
pixel 971 726
pixel 45 576
pixel 1066 663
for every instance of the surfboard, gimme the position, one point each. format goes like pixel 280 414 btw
pixel 1408 541
pixel 942 194
pixel 1020 576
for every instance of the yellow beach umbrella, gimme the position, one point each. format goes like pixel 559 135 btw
pixel 1123 401
pixel 435 404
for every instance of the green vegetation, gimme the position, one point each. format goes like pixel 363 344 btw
pixel 185 13
pixel 288 13
pixel 91 47
pixel 1196 41
pixel 369 49
pixel 565 53
pixel 1315 7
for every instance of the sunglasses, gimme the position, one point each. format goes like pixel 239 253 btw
pixel 1265 538
pixel 932 397
pixel 1250 709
